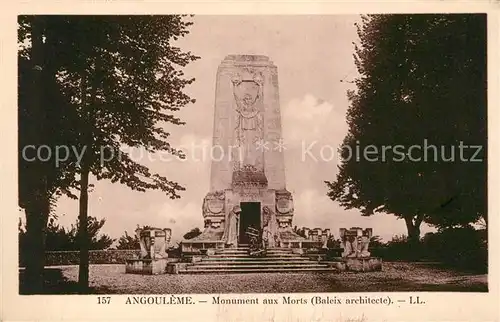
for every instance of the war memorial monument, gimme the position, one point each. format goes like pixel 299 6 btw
pixel 248 211
pixel 247 182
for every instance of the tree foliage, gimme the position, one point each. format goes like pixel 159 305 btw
pixel 122 78
pixel 459 247
pixel 422 83
pixel 114 82
pixel 59 238
pixel 128 242
pixel 376 241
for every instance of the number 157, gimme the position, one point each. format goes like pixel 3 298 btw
pixel 103 299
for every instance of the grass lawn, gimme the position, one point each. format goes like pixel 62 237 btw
pixel 396 276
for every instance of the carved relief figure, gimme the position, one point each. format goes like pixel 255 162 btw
pixel 143 243
pixel 249 121
pixel 352 246
pixel 231 227
pixel 163 243
pixel 355 242
pixel 363 243
pixel 324 241
pixel 349 242
pixel 270 235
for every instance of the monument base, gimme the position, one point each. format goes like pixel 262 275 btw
pixel 176 267
pixel 357 264
pixel 211 240
pixel 146 266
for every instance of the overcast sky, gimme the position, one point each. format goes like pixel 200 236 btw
pixel 312 53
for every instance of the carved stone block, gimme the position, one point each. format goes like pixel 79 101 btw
pixel 153 242
pixel 355 241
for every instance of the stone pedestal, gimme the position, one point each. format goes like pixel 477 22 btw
pixel 368 264
pixel 355 255
pixel 146 266
pixel 176 267
pixel 319 237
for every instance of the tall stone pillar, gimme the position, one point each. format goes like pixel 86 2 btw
pixel 248 169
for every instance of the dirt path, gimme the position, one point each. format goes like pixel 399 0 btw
pixel 394 277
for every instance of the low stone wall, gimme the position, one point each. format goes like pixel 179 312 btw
pixel 54 258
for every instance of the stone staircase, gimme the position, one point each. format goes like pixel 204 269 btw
pixel 237 260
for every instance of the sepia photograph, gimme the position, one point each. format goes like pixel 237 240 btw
pixel 250 154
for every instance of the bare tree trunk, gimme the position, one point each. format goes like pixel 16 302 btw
pixel 87 139
pixel 413 226
pixel 83 240
pixel 36 223
pixel 37 209
pixel 83 273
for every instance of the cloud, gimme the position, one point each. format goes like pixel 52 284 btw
pixel 316 123
pixel 311 120
pixel 308 108
pixel 305 118
pixel 179 216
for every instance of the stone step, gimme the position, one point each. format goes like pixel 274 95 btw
pixel 250 262
pixel 248 258
pixel 232 251
pixel 241 250
pixel 279 253
pixel 260 270
pixel 247 255
pixel 255 266
pixel 247 248
pixel 275 257
pixel 280 248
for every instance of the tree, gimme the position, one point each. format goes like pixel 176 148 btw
pixel 128 242
pixel 68 239
pixel 192 233
pixel 129 86
pixel 58 238
pixel 95 240
pixel 376 241
pixel 123 79
pixel 463 247
pixel 422 81
pixel 44 119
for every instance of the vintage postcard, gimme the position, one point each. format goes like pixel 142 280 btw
pixel 250 161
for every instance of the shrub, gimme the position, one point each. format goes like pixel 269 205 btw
pixel 458 247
